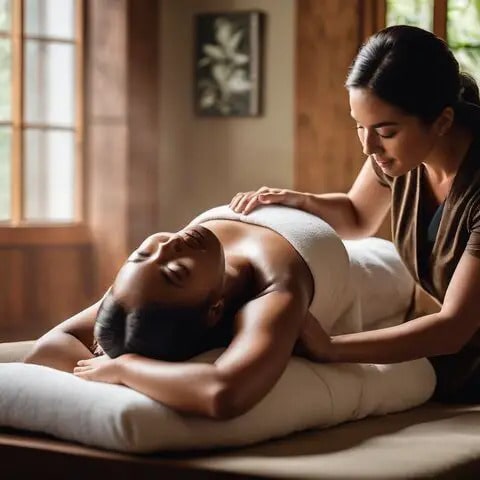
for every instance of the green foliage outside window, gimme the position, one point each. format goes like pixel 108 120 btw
pixel 410 12
pixel 463 32
pixel 463 26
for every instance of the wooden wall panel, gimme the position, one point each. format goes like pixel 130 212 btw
pixel 327 151
pixel 12 288
pixel 107 197
pixel 372 17
pixel 329 33
pixel 42 286
pixel 106 40
pixel 122 112
pixel 65 285
pixel 143 103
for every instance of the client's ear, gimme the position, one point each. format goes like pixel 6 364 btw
pixel 215 313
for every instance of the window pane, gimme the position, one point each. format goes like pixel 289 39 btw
pixel 49 182
pixel 5 190
pixel 5 79
pixel 49 83
pixel 463 32
pixel 5 15
pixel 50 18
pixel 410 12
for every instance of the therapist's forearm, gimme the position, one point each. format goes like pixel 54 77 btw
pixel 337 210
pixel 426 336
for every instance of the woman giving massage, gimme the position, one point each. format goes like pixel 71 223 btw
pixel 418 121
pixel 219 282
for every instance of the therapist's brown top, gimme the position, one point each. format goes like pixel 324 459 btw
pixel 431 239
pixel 433 261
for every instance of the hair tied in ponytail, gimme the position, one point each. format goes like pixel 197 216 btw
pixel 469 92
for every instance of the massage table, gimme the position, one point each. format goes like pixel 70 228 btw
pixel 430 441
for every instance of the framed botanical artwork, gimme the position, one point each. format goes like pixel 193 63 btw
pixel 228 63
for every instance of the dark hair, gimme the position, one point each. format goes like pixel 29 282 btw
pixel 415 70
pixel 154 330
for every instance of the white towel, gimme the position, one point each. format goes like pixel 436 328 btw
pixel 382 286
pixel 359 285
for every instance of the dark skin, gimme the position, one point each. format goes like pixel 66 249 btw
pixel 237 265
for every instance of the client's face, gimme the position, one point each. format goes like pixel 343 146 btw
pixel 175 269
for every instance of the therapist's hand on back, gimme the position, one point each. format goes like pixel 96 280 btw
pixel 245 202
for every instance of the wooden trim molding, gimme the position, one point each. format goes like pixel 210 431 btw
pixel 17 112
pixel 327 152
pixel 372 17
pixel 328 156
pixel 440 11
pixel 80 187
pixel 44 235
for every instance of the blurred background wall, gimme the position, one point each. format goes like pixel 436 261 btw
pixel 204 161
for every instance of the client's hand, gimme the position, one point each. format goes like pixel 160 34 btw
pixel 245 202
pixel 313 342
pixel 99 369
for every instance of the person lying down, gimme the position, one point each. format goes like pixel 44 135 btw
pixel 255 285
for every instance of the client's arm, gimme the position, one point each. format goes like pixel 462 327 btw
pixel 67 343
pixel 268 327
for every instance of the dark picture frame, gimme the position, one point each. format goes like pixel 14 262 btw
pixel 229 63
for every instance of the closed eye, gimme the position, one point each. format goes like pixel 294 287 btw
pixel 179 269
pixel 171 277
pixel 137 257
pixel 386 135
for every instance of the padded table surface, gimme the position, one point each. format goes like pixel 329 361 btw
pixel 432 441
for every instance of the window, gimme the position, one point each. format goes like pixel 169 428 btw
pixel 40 111
pixel 410 12
pixel 458 21
pixel 463 34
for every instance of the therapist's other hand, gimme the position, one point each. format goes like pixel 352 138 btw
pixel 245 202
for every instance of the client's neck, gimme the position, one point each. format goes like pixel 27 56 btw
pixel 239 284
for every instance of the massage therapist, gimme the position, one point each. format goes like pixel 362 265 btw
pixel 418 121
